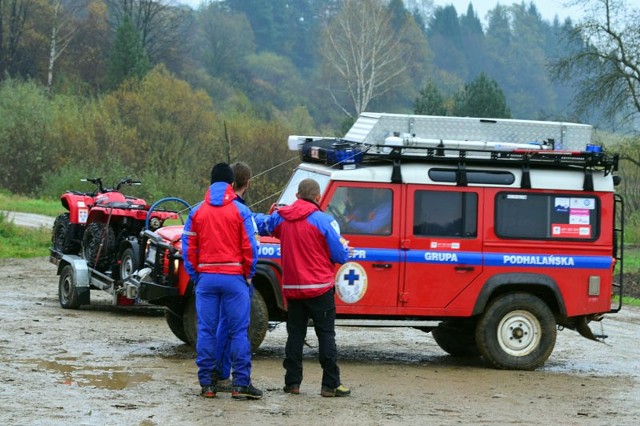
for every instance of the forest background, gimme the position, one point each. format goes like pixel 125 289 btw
pixel 159 92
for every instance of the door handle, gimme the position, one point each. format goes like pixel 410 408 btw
pixel 464 268
pixel 381 265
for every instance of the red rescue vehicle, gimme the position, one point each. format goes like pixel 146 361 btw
pixel 489 233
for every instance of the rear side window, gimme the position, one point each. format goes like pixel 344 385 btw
pixel 546 216
pixel 445 214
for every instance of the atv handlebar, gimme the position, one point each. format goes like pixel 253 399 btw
pixel 101 189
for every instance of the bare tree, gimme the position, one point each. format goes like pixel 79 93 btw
pixel 361 49
pixel 63 29
pixel 157 21
pixel 609 58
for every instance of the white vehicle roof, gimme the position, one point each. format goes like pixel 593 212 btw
pixel 418 173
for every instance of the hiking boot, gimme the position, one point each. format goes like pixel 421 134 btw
pixel 292 389
pixel 246 392
pixel 341 390
pixel 208 391
pixel 224 385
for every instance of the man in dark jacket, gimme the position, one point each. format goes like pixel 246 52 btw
pixel 220 250
pixel 310 245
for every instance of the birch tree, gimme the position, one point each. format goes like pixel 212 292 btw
pixel 63 29
pixel 360 48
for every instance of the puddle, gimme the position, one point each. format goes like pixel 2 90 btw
pixel 113 378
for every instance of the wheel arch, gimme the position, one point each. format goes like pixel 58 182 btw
pixel 266 281
pixel 539 285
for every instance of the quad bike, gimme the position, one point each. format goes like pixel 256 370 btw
pixel 100 226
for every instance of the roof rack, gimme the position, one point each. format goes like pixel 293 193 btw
pixel 505 143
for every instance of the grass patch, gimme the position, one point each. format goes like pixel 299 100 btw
pixel 18 203
pixel 21 242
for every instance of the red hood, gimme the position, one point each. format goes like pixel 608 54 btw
pixel 299 210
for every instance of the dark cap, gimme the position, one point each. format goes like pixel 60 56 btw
pixel 222 172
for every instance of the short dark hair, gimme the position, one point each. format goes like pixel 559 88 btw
pixel 222 172
pixel 242 173
pixel 308 189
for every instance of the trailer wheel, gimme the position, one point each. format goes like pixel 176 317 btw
pixel 516 332
pixel 98 243
pixel 258 325
pixel 176 325
pixel 63 238
pixel 127 264
pixel 457 340
pixel 67 290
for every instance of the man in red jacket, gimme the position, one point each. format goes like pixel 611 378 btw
pixel 220 252
pixel 310 245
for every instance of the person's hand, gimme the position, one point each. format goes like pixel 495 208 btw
pixel 249 282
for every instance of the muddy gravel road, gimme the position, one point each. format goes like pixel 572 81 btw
pixel 103 365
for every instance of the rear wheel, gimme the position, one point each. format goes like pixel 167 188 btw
pixel 63 235
pixel 67 290
pixel 516 332
pixel 257 327
pixel 98 246
pixel 456 339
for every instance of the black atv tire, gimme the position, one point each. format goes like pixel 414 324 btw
pixel 64 235
pixel 456 339
pixel 176 325
pixel 97 235
pixel 258 325
pixel 517 331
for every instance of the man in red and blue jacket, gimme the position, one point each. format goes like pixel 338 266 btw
pixel 220 252
pixel 310 247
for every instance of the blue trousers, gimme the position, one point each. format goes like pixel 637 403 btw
pixel 224 346
pixel 227 299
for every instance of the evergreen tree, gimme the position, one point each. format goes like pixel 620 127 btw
pixel 430 101
pixel 128 58
pixel 481 98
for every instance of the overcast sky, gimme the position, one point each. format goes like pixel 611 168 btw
pixel 547 8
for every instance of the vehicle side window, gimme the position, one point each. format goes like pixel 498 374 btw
pixel 362 210
pixel 546 216
pixel 445 214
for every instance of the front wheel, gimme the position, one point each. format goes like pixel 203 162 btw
pixel 176 325
pixel 258 325
pixel 516 332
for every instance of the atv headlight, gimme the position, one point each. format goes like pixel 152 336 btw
pixel 155 223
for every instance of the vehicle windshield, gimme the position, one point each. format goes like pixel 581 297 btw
pixel 289 194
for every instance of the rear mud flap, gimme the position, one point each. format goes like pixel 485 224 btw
pixel 583 328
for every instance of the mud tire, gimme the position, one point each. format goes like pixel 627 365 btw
pixel 64 237
pixel 258 325
pixel 67 290
pixel 176 325
pixel 456 339
pixel 516 332
pixel 94 235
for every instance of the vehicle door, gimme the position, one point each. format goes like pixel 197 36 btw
pixel 368 214
pixel 442 244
